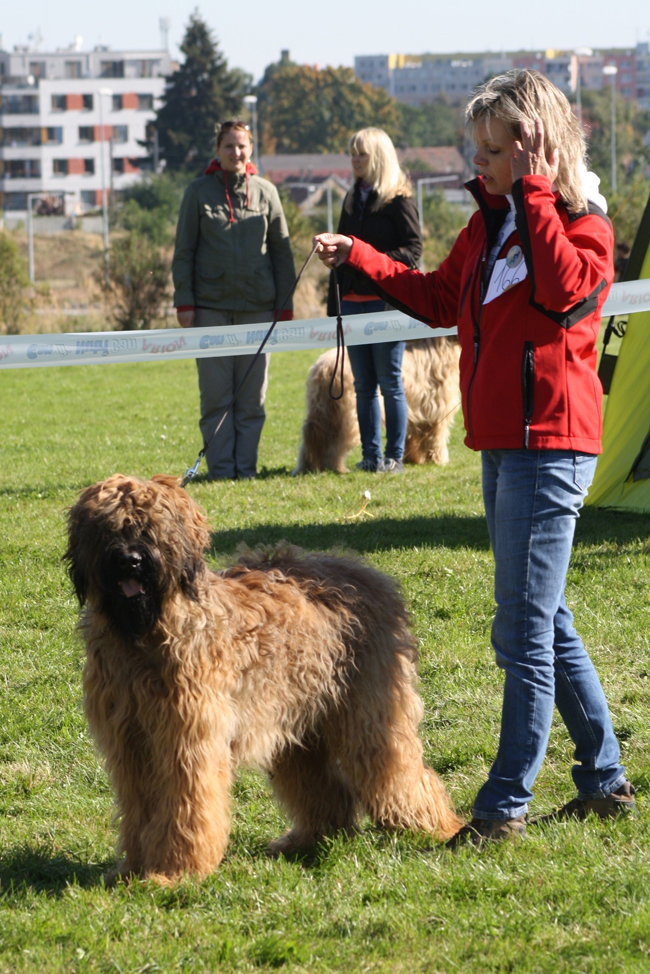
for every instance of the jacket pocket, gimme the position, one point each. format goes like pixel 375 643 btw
pixel 528 387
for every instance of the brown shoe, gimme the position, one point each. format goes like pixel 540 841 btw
pixel 482 830
pixel 619 802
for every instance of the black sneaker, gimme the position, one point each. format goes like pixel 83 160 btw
pixel 368 466
pixel 619 802
pixel 482 830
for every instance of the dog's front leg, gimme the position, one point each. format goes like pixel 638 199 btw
pixel 191 777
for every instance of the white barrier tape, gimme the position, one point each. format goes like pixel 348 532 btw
pixel 27 351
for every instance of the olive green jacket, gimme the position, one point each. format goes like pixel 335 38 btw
pixel 245 265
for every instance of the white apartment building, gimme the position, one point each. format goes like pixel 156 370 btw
pixel 71 122
pixel 418 79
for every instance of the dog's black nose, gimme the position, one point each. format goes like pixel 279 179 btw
pixel 132 560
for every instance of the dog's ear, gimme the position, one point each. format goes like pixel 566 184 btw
pixel 76 573
pixel 194 567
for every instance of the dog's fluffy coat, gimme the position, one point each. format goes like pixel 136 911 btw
pixel 300 664
pixel 430 376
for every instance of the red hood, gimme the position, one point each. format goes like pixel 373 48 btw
pixel 215 166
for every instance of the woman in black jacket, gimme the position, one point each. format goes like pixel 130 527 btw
pixel 378 209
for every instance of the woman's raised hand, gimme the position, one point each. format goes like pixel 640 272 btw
pixel 333 248
pixel 529 155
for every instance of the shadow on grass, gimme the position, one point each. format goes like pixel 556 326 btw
pixel 598 525
pixel 39 869
pixel 363 535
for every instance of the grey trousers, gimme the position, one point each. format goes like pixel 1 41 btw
pixel 232 453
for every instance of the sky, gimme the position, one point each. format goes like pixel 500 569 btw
pixel 252 34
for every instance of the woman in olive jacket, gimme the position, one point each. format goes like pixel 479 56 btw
pixel 232 265
pixel 379 210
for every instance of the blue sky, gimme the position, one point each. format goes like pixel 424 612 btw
pixel 251 34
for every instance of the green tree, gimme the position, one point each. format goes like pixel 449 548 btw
pixel 203 92
pixel 440 122
pixel 150 207
pixel 632 123
pixel 15 297
pixel 443 222
pixel 138 282
pixel 303 109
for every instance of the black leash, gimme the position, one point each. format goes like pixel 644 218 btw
pixel 340 344
pixel 191 472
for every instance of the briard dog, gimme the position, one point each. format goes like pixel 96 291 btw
pixel 300 664
pixel 430 376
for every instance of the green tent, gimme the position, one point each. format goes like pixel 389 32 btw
pixel 623 473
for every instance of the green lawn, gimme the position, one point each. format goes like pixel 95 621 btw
pixel 572 898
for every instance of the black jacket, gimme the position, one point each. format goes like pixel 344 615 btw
pixel 393 230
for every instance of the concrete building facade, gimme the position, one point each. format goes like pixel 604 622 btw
pixel 52 140
pixel 418 79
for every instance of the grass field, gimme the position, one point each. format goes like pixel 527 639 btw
pixel 572 898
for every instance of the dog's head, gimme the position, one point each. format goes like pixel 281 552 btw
pixel 132 544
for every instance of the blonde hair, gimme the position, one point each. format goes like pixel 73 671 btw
pixel 526 95
pixel 385 174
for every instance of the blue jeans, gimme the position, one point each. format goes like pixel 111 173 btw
pixel 532 499
pixel 378 365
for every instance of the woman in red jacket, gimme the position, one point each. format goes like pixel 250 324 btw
pixel 524 283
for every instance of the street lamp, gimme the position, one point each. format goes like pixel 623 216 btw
pixel 610 70
pixel 580 52
pixel 251 104
pixel 102 169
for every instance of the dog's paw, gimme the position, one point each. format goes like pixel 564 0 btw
pixel 291 844
pixel 122 872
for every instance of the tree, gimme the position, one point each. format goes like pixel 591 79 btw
pixel 150 206
pixel 303 109
pixel 633 156
pixel 15 297
pixel 202 93
pixel 138 282
pixel 439 122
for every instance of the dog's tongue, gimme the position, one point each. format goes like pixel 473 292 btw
pixel 130 587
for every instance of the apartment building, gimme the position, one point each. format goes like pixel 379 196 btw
pixel 71 122
pixel 418 79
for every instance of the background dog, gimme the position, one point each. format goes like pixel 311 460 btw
pixel 430 377
pixel 300 664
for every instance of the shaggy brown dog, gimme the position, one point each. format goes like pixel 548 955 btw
pixel 300 664
pixel 430 377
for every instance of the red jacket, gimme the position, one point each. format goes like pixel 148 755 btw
pixel 528 349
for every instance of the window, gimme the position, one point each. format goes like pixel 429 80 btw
pixel 112 69
pixel 59 167
pixel 19 104
pixel 145 103
pixel 88 199
pixel 87 102
pixel 72 69
pixel 118 103
pixel 22 169
pixel 118 165
pixel 59 103
pixel 37 68
pixel 86 133
pixel 15 201
pixel 120 133
pixel 20 136
pixel 89 167
pixel 54 136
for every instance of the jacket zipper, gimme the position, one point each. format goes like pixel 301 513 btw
pixel 528 387
pixel 476 321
